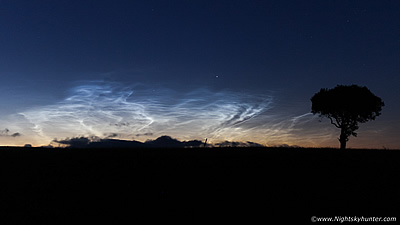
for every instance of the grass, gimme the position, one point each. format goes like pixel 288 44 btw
pixel 195 186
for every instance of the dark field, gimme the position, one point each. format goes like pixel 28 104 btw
pixel 195 186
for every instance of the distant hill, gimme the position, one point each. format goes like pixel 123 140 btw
pixel 160 142
pixel 111 143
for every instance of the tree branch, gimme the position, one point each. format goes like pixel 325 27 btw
pixel 334 123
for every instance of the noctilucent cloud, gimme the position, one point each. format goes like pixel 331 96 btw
pixel 221 70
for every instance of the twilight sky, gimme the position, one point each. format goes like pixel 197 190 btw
pixel 241 70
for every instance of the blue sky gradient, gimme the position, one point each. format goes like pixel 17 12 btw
pixel 223 70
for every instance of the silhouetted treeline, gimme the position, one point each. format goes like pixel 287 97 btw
pixel 163 141
pixel 160 142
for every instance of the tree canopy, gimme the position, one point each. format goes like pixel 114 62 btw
pixel 346 106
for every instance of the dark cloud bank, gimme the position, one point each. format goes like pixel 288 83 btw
pixel 161 142
pixel 6 133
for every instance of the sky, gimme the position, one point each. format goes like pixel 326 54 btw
pixel 238 70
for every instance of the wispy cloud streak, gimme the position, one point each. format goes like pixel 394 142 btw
pixel 139 112
pixel 102 109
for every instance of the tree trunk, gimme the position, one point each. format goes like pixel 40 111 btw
pixel 342 144
pixel 343 138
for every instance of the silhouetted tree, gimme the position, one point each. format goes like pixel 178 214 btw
pixel 346 106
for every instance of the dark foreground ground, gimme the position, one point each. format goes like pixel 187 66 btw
pixel 195 186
